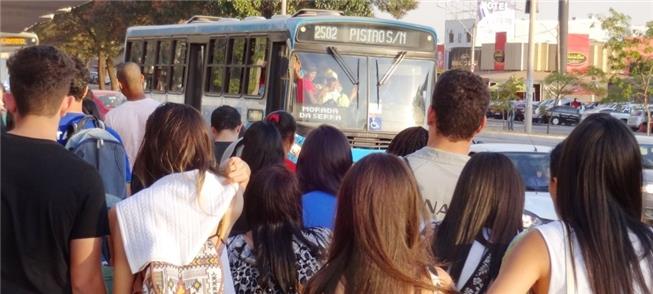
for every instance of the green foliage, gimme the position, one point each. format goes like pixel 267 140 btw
pixel 595 82
pixel 396 8
pixel 559 84
pixel 620 90
pixel 504 93
pixel 631 53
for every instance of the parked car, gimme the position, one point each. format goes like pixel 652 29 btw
pixel 106 100
pixel 563 115
pixel 532 162
pixel 95 77
pixel 638 118
pixel 646 148
pixel 621 111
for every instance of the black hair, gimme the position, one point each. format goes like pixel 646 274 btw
pixel 492 197
pixel 262 146
pixel 225 118
pixel 408 141
pixel 274 214
pixel 284 122
pixel 600 200
pixel 324 159
pixel 554 160
pixel 39 78
pixel 79 84
pixel 460 101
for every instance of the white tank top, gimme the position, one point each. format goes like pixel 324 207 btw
pixel 553 234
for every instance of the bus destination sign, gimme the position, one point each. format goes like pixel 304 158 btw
pixel 16 41
pixel 367 35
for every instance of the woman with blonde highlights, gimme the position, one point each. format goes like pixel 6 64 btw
pixel 377 245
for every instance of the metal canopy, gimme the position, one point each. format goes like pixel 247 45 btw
pixel 16 16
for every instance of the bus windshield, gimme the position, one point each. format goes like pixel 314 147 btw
pixel 350 91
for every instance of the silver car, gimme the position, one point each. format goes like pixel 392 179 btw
pixel 532 162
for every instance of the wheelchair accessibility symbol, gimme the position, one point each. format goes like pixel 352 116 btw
pixel 375 123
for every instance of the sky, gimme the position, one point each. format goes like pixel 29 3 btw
pixel 434 12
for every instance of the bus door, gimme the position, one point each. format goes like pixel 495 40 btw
pixel 278 72
pixel 195 75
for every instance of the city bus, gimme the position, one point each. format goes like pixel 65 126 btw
pixel 369 77
pixel 10 43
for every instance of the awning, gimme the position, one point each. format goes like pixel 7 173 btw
pixel 16 16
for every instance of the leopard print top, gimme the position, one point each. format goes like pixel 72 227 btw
pixel 242 261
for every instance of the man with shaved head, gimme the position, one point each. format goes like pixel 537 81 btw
pixel 129 118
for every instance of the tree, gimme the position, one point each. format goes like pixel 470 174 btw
pixel 559 84
pixel 504 93
pixel 595 82
pixel 396 8
pixel 630 59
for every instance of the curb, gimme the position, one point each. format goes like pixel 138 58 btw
pixel 519 134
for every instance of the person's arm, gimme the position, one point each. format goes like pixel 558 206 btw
pixel 526 267
pixel 85 266
pixel 123 278
pixel 86 236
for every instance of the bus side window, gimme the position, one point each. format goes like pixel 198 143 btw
pixel 162 68
pixel 256 66
pixel 148 65
pixel 216 66
pixel 136 52
pixel 179 67
pixel 235 69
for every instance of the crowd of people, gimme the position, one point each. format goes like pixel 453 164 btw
pixel 221 209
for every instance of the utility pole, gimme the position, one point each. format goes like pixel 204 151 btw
pixel 473 48
pixel 284 5
pixel 563 32
pixel 528 117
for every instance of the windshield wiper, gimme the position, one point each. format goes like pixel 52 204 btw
pixel 341 62
pixel 392 69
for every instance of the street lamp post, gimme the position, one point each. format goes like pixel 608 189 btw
pixel 528 116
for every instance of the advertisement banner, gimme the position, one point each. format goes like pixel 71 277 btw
pixel 500 51
pixel 440 58
pixel 578 53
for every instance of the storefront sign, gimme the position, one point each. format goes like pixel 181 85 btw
pixel 499 51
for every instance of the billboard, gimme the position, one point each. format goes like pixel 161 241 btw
pixel 578 53
pixel 500 51
pixel 440 58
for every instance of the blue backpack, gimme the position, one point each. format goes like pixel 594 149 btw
pixel 105 152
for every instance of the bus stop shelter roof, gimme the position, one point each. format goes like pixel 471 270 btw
pixel 16 16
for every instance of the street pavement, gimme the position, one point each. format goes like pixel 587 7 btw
pixel 497 132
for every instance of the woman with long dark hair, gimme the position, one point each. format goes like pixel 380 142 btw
pixel 600 244
pixel 277 255
pixel 287 127
pixel 377 245
pixel 484 216
pixel 322 163
pixel 261 146
pixel 183 211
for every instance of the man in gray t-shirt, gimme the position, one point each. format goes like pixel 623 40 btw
pixel 457 113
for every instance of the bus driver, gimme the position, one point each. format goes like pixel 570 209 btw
pixel 331 94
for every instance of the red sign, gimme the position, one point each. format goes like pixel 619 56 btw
pixel 578 53
pixel 440 57
pixel 499 51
